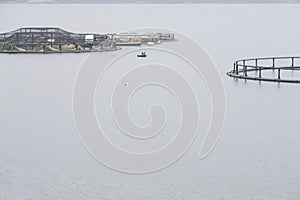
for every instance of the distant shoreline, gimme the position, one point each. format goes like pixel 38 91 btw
pixel 149 2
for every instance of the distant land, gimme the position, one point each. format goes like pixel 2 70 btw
pixel 150 1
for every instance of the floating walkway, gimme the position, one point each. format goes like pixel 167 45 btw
pixel 272 69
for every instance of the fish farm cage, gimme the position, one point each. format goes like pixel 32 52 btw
pixel 53 40
pixel 272 69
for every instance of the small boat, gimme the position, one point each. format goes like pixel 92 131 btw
pixel 142 55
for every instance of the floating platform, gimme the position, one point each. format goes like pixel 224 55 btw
pixel 53 40
pixel 57 40
pixel 149 39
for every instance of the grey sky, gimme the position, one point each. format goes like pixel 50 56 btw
pixel 148 1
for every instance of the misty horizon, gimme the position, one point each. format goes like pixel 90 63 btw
pixel 150 1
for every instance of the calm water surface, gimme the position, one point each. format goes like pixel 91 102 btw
pixel 257 157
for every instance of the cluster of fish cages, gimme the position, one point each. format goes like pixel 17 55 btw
pixel 53 40
pixel 149 39
pixel 272 69
pixel 56 40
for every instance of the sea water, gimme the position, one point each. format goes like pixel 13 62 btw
pixel 257 156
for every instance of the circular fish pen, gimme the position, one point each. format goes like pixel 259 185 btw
pixel 272 69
